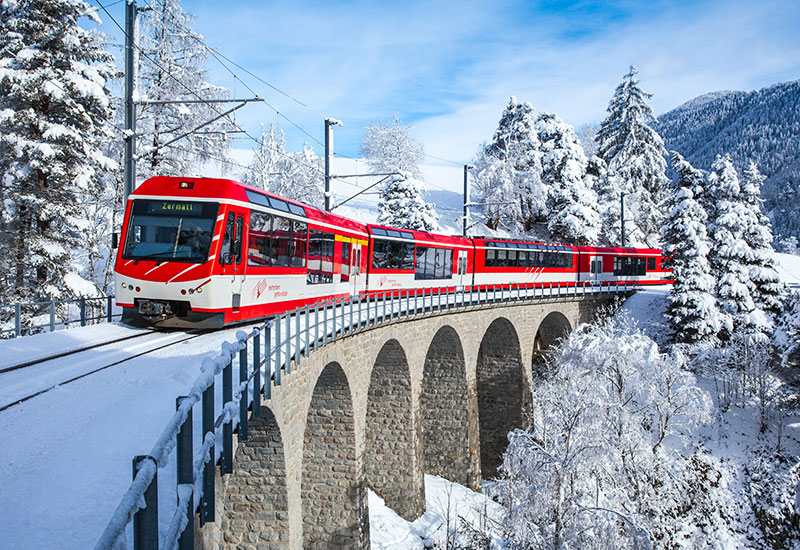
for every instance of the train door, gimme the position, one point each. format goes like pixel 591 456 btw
pixel 355 268
pixel 595 268
pixel 461 276
pixel 231 256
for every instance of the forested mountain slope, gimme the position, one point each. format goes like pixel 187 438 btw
pixel 762 126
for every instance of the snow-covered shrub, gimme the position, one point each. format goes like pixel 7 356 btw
pixel 771 479
pixel 599 467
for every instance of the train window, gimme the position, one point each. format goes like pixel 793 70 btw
pixel 257 198
pixel 393 233
pixel 651 264
pixel 433 263
pixel 297 210
pixel 346 248
pixel 490 257
pixel 279 204
pixel 226 251
pixel 320 257
pixel 237 240
pixel 502 258
pixel 407 235
pixel 170 230
pixel 276 241
pixel 392 255
pixel 378 231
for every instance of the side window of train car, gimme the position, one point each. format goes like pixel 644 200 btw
pixel 276 241
pixel 346 250
pixel 237 240
pixel 392 254
pixel 433 263
pixel 651 264
pixel 226 251
pixel 320 257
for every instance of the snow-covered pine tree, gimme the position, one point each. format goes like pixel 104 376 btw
pixel 767 285
pixel 54 109
pixel 389 147
pixel 730 256
pixel 295 176
pixel 508 172
pixel 571 205
pixel 692 308
pixel 635 156
pixel 171 67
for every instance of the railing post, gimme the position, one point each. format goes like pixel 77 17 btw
pixel 297 336
pixel 278 345
pixel 185 464
pixel 83 311
pixel 18 319
pixel 325 324
pixel 383 317
pixel 256 378
pixel 207 502
pixel 109 305
pixel 316 326
pixel 227 427
pixel 360 301
pixel 145 520
pixel 52 316
pixel 350 300
pixel 288 353
pixel 333 319
pixel 269 361
pixel 243 397
pixel 306 350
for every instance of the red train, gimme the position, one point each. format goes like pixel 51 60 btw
pixel 199 252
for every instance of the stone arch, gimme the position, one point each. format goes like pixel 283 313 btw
pixel 501 391
pixel 257 503
pixel 333 494
pixel 393 452
pixel 449 412
pixel 553 328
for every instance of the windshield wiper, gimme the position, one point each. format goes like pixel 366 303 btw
pixel 156 256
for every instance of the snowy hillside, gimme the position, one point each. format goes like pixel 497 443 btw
pixel 762 126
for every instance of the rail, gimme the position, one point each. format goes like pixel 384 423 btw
pixel 49 316
pixel 263 356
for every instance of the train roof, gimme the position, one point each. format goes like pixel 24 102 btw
pixel 385 231
pixel 219 188
pixel 619 250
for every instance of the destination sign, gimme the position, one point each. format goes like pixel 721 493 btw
pixel 172 208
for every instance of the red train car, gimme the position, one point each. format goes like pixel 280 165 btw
pixel 208 252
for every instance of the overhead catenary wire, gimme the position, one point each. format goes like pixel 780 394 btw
pixel 189 89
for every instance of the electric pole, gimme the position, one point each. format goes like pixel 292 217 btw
pixel 622 218
pixel 465 219
pixel 129 162
pixel 329 124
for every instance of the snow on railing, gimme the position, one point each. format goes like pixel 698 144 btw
pixel 286 338
pixel 32 317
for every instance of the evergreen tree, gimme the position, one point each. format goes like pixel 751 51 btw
pixel 401 205
pixel 389 147
pixel 692 308
pixel 767 286
pixel 292 175
pixel 508 172
pixel 54 109
pixel 730 255
pixel 571 205
pixel 172 66
pixel 635 156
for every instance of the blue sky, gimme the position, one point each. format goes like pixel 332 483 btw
pixel 449 68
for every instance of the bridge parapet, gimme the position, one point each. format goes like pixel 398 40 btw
pixel 420 390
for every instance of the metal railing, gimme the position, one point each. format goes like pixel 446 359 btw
pixel 55 315
pixel 262 356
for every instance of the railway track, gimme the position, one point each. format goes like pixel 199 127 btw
pixel 24 381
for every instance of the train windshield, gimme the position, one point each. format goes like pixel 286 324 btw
pixel 165 230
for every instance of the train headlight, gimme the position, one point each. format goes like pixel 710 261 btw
pixel 199 290
pixel 191 291
pixel 183 291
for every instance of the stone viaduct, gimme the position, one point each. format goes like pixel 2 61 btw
pixel 429 395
